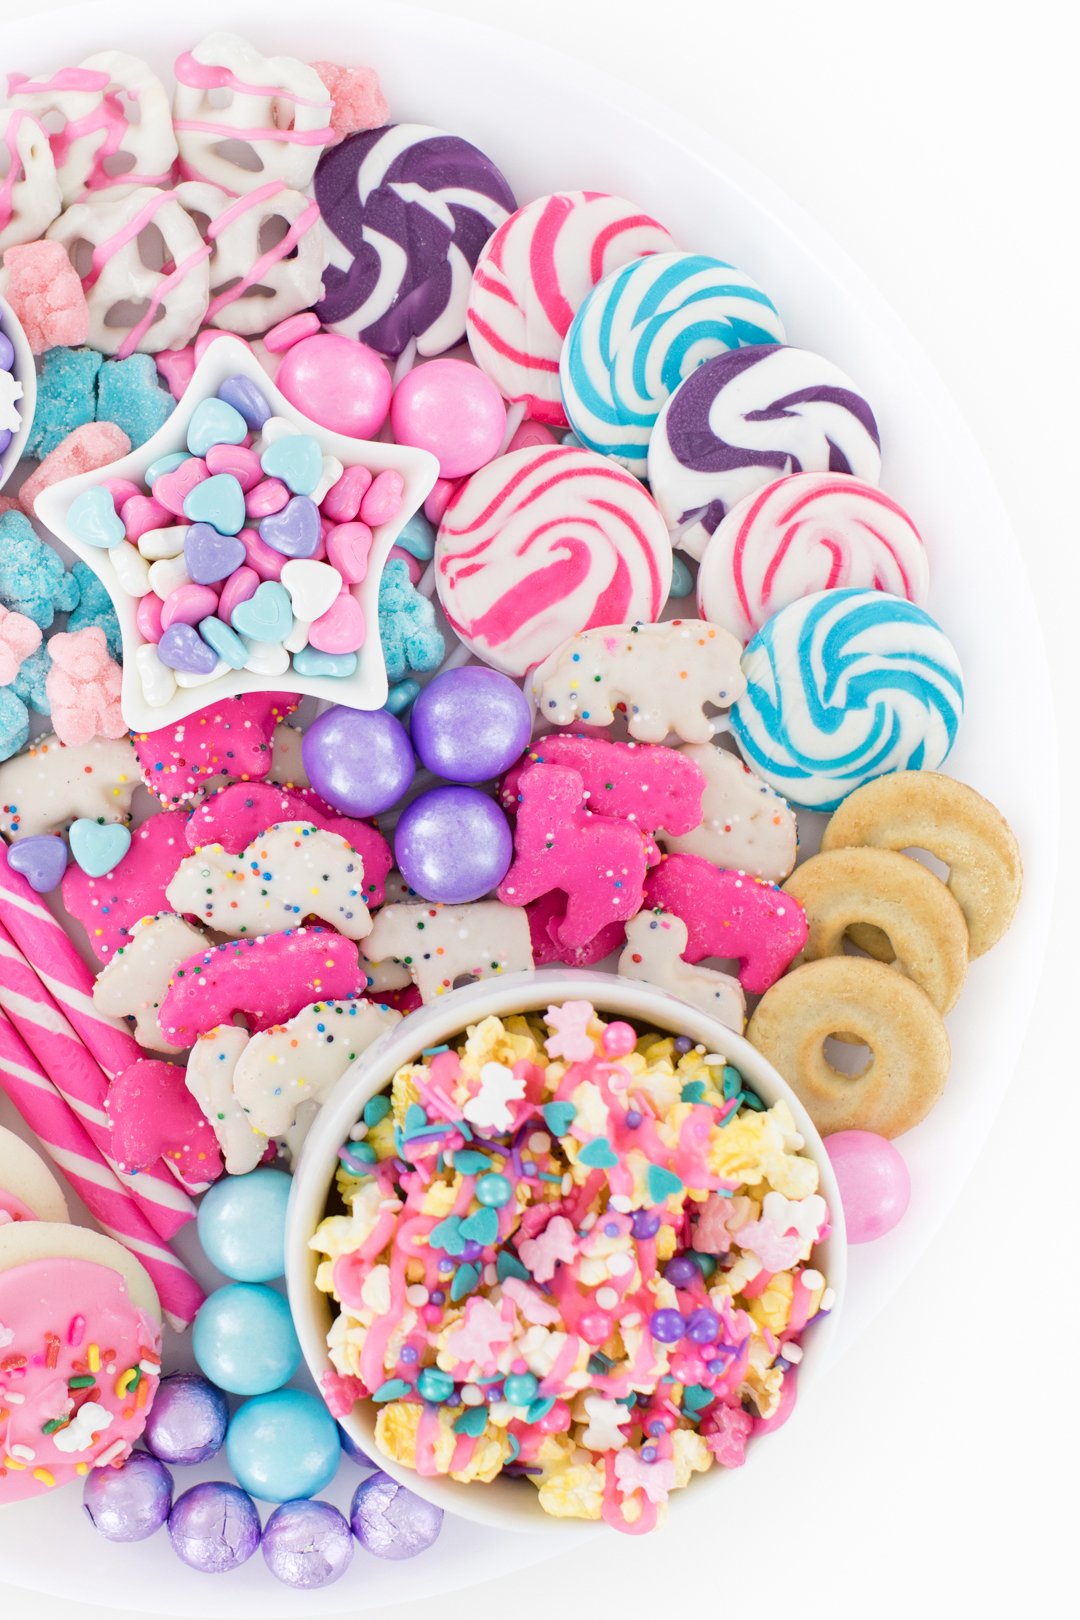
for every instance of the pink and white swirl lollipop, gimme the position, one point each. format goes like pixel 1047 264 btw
pixel 532 276
pixel 543 543
pixel 810 532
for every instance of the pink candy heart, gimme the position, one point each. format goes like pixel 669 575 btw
pixel 342 500
pixel 188 604
pixel 266 562
pixel 121 490
pixel 141 513
pixel 383 499
pixel 172 489
pixel 238 460
pixel 341 628
pixel 265 498
pixel 148 617
pixel 239 587
pixel 347 548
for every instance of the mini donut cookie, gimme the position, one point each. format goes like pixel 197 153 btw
pixel 80 1358
pixel 28 1189
pixel 890 892
pixel 867 1002
pixel 924 810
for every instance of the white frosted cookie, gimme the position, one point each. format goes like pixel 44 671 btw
pixel 436 945
pixel 285 1068
pixel 134 983
pixel 28 1189
pixel 49 786
pixel 655 942
pixel 211 1065
pixel 745 825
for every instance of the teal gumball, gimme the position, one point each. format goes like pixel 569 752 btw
pixel 242 1225
pixel 283 1446
pixel 244 1340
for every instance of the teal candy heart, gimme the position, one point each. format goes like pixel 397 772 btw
pixel 482 1227
pixel 164 464
pixel 218 501
pixel 225 642
pixel 266 616
pixel 392 1390
pixel 558 1117
pixel 94 519
pixel 473 1421
pixel 214 422
pixel 598 1154
pixel 508 1265
pixel 447 1236
pixel 662 1183
pixel 415 1119
pixel 310 661
pixel 471 1163
pixel 296 459
pixel 465 1280
pixel 97 848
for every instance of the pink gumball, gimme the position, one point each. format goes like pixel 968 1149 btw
pixel 452 409
pixel 874 1183
pixel 338 382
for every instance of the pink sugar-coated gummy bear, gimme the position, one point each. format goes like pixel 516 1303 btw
pixel 291 330
pixel 356 98
pixel 875 1187
pixel 141 513
pixel 265 497
pixel 107 907
pixel 731 916
pixel 83 687
pixel 413 566
pixel 239 587
pixel 232 737
pixel 44 289
pixel 546 917
pixel 236 815
pixel 19 637
pixel 341 628
pixel 383 499
pixel 154 1117
pixel 452 409
pixel 172 489
pixel 348 546
pixel 89 447
pixel 339 383
pixel 267 980
pixel 238 459
pixel 122 490
pixel 188 604
pixel 598 862
pixel 342 501
pixel 148 617
pixel 528 434
pixel 442 493
pixel 8 503
pixel 266 562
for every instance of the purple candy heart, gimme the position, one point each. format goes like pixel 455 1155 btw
pixel 182 647
pixel 42 860
pixel 247 398
pixel 295 531
pixel 211 556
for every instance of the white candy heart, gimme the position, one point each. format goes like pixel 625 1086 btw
pixel 157 680
pixel 274 428
pixel 168 575
pixel 331 472
pixel 297 636
pixel 313 586
pixel 187 677
pixel 158 543
pixel 132 570
pixel 266 657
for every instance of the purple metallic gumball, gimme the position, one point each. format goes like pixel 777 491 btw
pixel 187 1421
pixel 393 1522
pixel 874 1183
pixel 360 761
pixel 307 1544
pixel 131 1502
pixel 214 1527
pixel 471 724
pixel 453 845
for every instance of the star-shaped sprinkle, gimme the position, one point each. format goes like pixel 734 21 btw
pixel 490 1109
pixel 603 1432
pixel 542 1253
pixel 571 1039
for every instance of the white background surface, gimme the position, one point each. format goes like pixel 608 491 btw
pixel 937 144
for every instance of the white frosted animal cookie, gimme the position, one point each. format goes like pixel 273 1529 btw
pixel 48 786
pixel 243 119
pixel 268 251
pixel 291 871
pixel 745 825
pixel 28 1189
pixel 285 1068
pixel 113 123
pixel 134 983
pixel 436 945
pixel 29 190
pixel 211 1065
pixel 665 675
pixel 655 942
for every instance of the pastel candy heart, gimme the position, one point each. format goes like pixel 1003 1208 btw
pixel 400 697
pixel 94 519
pixel 214 421
pixel 295 531
pixel 42 860
pixel 218 500
pixel 598 1154
pixel 266 615
pixel 239 587
pixel 173 488
pixel 157 544
pixel 182 648
pixel 558 1117
pixel 211 556
pixel 383 499
pixel 341 629
pixel 158 682
pixel 265 657
pixel 141 513
pixel 348 547
pixel 266 562
pixel 247 398
pixel 447 1236
pixel 481 1227
pixel 187 605
pixel 168 575
pixel 662 1183
pixel 313 587
pixel 97 846
pixel 164 464
pixel 269 496
pixel 237 459
pixel 343 501
pixel 148 617
pixel 296 460
pixel 225 642
pixel 309 661
pixel 417 538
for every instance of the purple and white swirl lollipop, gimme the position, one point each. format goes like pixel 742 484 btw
pixel 746 418
pixel 407 209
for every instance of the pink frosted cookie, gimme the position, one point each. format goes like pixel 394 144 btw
pixel 545 919
pixel 108 906
pixel 83 687
pixel 155 1118
pixel 89 447
pixel 230 738
pixel 42 287
pixel 267 980
pixel 730 915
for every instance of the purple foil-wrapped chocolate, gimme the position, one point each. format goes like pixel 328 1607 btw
pixel 187 1421
pixel 746 418
pixel 307 1544
pixel 131 1502
pixel 353 1451
pixel 214 1527
pixel 407 209
pixel 393 1522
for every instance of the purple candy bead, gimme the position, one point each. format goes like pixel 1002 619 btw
pixel 703 1326
pixel 182 647
pixel 470 724
pixel 453 844
pixel 211 556
pixel 187 1421
pixel 42 860
pixel 390 1521
pixel 214 1527
pixel 247 398
pixel 295 531
pixel 667 1326
pixel 361 762
pixel 131 1502
pixel 307 1544
pixel 644 1224
pixel 681 1272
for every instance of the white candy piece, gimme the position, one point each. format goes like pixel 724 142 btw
pixel 157 545
pixel 29 190
pixel 297 636
pixel 285 1068
pixel 273 429
pixel 655 942
pixel 157 680
pixel 266 657
pixel 50 786
pixel 211 1065
pixel 332 470
pixel 131 569
pixel 291 871
pixel 168 574
pixel 437 945
pixel 313 586
pixel 270 120
pixel 745 825
pixel 134 982
pixel 188 678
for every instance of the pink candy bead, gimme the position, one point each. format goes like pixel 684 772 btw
pixel 874 1183
pixel 238 460
pixel 172 489
pixel 266 562
pixel 347 547
pixel 141 513
pixel 287 332
pixel 619 1039
pixel 452 409
pixel 148 617
pixel 188 604
pixel 269 496
pixel 383 499
pixel 341 628
pixel 342 501
pixel 122 490
pixel 339 383
pixel 239 587
pixel 444 491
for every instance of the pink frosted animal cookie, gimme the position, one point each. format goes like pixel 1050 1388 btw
pixel 730 915
pixel 545 919
pixel 266 980
pixel 598 862
pixel 42 287
pixel 356 98
pixel 89 447
pixel 109 906
pixel 230 738
pixel 83 687
pixel 155 1118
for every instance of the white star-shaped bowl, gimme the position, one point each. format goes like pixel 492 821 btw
pixel 366 688
pixel 22 369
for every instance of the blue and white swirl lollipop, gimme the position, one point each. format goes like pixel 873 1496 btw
pixel 844 686
pixel 642 330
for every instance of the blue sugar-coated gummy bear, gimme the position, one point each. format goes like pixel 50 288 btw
pixel 33 580
pixel 66 397
pixel 128 393
pixel 14 723
pixel 29 682
pixel 95 608
pixel 412 642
